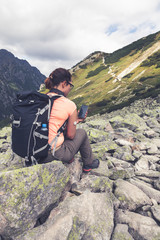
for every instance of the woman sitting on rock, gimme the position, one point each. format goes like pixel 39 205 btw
pixel 74 140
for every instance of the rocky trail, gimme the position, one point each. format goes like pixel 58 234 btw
pixel 118 201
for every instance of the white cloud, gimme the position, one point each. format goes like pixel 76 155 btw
pixel 51 33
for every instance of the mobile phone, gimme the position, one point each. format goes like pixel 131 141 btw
pixel 83 111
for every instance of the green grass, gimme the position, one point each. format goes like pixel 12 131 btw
pixel 96 87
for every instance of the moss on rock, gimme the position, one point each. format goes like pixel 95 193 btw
pixel 27 192
pixel 131 121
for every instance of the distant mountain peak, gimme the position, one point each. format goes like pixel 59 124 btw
pixel 15 75
pixel 4 54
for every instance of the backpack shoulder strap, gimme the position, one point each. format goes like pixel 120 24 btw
pixel 52 99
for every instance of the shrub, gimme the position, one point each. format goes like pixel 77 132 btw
pixel 78 100
pixel 113 98
pixel 158 65
pixel 152 60
pixel 135 91
pixel 102 103
pixel 96 71
pixel 84 66
pixel 128 75
pixel 109 79
pixel 157 85
pixel 146 78
pixel 142 43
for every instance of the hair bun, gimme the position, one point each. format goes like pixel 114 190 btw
pixel 48 83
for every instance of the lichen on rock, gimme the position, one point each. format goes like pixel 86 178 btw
pixel 27 192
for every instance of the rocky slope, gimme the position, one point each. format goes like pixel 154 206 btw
pixel 15 75
pixel 119 200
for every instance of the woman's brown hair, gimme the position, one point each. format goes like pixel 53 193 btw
pixel 56 77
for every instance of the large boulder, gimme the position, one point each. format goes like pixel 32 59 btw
pixel 121 232
pixel 131 121
pixel 147 189
pixel 141 227
pixel 28 193
pixel 88 216
pixel 130 196
pixel 96 135
pixel 156 212
pixel 93 183
pixel 145 162
pixel 8 160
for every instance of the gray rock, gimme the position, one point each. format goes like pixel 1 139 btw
pixel 141 227
pixel 27 193
pixel 156 212
pixel 130 196
pixel 10 161
pixel 124 133
pixel 89 215
pixel 123 142
pixel 100 149
pixel 131 121
pixel 153 149
pixel 156 183
pixel 152 123
pixel 5 133
pixel 93 183
pixel 96 135
pixel 75 170
pixel 121 173
pixel 145 179
pixel 145 162
pixel 97 123
pixel 156 141
pixel 102 170
pixel 150 134
pixel 149 174
pixel 142 164
pixel 124 153
pixel 118 163
pixel 144 145
pixel 148 190
pixel 136 154
pixel 121 232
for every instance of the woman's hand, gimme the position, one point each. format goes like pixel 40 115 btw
pixel 73 120
pixel 82 119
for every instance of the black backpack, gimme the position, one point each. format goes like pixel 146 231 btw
pixel 31 112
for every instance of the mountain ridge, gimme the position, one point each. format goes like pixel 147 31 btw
pixel 139 60
pixel 15 75
pixel 108 81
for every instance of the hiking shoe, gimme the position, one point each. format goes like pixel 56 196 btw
pixel 89 167
pixel 71 160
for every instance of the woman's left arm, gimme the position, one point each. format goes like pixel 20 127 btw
pixel 71 125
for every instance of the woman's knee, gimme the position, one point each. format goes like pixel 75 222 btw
pixel 82 132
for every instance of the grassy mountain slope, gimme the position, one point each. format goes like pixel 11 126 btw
pixel 111 81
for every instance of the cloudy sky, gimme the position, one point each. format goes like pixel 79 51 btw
pixel 60 33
